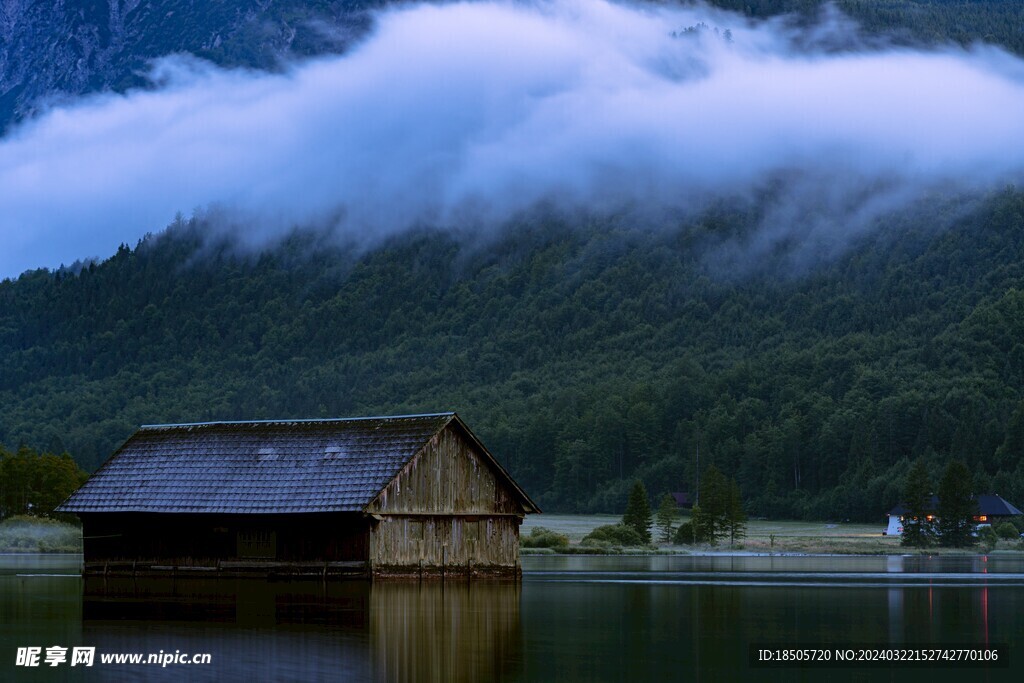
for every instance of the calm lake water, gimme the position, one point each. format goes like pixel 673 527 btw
pixel 573 618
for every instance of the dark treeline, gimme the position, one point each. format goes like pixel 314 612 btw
pixel 33 483
pixel 586 357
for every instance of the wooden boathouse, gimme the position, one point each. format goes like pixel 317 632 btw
pixel 411 495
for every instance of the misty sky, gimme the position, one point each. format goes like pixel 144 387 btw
pixel 466 113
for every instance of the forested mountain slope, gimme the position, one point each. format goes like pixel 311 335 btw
pixel 58 49
pixel 585 354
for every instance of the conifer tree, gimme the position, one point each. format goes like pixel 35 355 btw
pixel 957 507
pixel 735 516
pixel 918 530
pixel 638 511
pixel 666 516
pixel 703 525
pixel 710 518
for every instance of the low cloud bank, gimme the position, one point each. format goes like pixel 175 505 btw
pixel 463 114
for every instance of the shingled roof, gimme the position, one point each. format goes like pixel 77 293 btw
pixel 988 504
pixel 260 467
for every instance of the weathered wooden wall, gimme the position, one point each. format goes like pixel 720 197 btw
pixel 408 545
pixel 447 476
pixel 447 511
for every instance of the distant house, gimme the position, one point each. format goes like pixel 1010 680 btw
pixel 991 510
pixel 682 499
pixel 414 495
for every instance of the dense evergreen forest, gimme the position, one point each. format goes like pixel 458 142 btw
pixel 586 353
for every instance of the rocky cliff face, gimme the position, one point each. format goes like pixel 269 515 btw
pixel 53 49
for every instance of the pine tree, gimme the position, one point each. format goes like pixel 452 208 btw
pixel 957 507
pixel 638 511
pixel 703 526
pixel 918 530
pixel 710 518
pixel 735 516
pixel 666 516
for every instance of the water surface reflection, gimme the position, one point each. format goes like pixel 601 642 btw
pixel 572 619
pixel 311 630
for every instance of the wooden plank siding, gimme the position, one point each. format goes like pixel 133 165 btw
pixel 446 512
pixel 447 476
pixel 444 546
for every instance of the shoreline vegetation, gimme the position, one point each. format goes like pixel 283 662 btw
pixel 763 537
pixel 25 534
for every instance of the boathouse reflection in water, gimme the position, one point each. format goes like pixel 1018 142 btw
pixel 398 631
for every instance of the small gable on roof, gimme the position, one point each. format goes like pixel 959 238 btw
pixel 298 466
